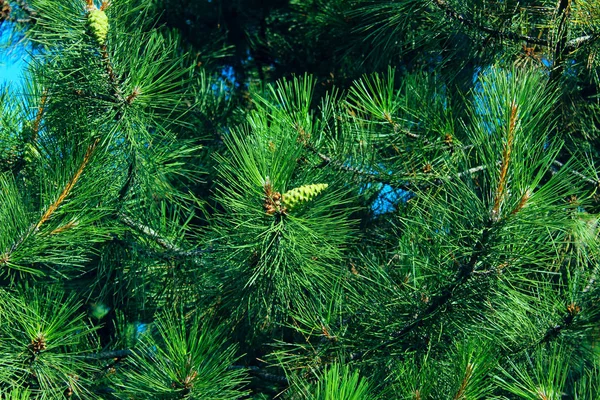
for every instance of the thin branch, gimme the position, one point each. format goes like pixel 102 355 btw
pixel 500 190
pixel 563 10
pixel 453 14
pixel 39 116
pixel 114 80
pixel 555 330
pixel 128 181
pixel 466 379
pixel 253 370
pixel 106 355
pixel 591 281
pixel 256 371
pixel 146 230
pixel 574 44
pixel 567 321
pixel 523 202
pixel 445 295
pixel 411 187
pixel 173 249
pixel 67 189
pixel 407 186
pixel 578 174
pixel 447 292
pixel 398 128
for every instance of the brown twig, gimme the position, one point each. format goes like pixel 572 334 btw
pixel 5 10
pixel 523 202
pixel 114 80
pixel 463 386
pixel 38 118
pixel 67 189
pixel 65 227
pixel 500 190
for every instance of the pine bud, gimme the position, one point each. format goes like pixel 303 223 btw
pixel 302 194
pixel 99 310
pixel 98 24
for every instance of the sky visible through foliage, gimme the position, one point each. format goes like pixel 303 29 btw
pixel 12 59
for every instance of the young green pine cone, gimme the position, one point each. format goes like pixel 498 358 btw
pixel 301 194
pixel 98 24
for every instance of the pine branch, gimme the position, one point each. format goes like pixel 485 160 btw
pixel 569 46
pixel 563 10
pixel 555 330
pixel 453 14
pixel 446 293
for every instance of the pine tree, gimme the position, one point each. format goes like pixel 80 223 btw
pixel 306 200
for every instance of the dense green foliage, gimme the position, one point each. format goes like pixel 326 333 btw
pixel 328 199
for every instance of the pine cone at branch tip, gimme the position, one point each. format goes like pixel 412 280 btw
pixel 302 194
pixel 98 25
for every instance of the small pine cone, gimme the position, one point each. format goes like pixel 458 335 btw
pixel 302 194
pixel 98 24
